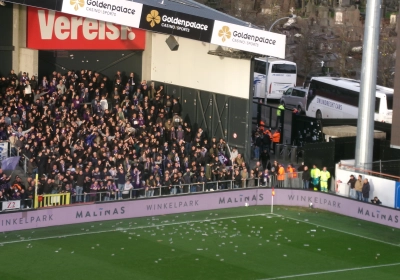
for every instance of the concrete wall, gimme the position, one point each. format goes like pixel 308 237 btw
pixel 147 57
pixel 384 189
pixel 193 67
pixel 23 59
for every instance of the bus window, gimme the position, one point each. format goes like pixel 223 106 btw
pixel 377 104
pixel 259 66
pixel 283 69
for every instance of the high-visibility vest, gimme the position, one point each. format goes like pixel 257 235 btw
pixel 276 137
pixel 281 174
pixel 315 173
pixel 280 109
pixel 325 175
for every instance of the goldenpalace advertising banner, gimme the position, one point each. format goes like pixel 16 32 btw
pixel 165 21
pixel 115 11
pixel 179 24
pixel 248 39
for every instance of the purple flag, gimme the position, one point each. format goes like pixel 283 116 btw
pixel 9 163
pixel 222 158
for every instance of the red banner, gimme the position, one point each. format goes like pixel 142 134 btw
pixel 50 30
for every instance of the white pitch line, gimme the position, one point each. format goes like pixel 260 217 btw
pixel 338 230
pixel 129 228
pixel 332 271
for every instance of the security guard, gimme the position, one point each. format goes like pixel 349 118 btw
pixel 315 176
pixel 325 175
pixel 279 114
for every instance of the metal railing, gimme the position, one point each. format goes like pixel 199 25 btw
pixel 46 200
pixel 287 180
pixel 368 172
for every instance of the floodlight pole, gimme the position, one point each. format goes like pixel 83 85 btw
pixel 266 59
pixel 366 103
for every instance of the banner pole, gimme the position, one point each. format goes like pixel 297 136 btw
pixel 36 200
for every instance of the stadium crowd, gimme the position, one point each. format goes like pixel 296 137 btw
pixel 84 133
pixel 105 139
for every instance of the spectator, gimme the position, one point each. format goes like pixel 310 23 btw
pixel 281 176
pixel 365 190
pixel 358 187
pixel 306 178
pixel 352 183
pixel 376 201
pixel 237 179
pixel 128 187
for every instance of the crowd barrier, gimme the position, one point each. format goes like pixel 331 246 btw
pixel 46 200
pixel 153 206
pixel 289 181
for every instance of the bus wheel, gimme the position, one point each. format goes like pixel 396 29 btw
pixel 318 115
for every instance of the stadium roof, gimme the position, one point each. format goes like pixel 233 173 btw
pixel 193 8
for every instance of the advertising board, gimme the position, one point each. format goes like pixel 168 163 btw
pixel 179 24
pixel 248 39
pixel 199 202
pixel 10 205
pixel 50 30
pixel 115 11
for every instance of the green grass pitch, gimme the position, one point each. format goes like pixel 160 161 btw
pixel 236 243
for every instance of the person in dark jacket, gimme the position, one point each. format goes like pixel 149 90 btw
pixel 306 178
pixel 237 178
pixel 352 183
pixel 365 190
pixel 176 107
pixel 201 179
pixel 86 188
pixel 121 181
pixel 80 178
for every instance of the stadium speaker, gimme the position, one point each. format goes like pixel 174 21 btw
pixel 172 43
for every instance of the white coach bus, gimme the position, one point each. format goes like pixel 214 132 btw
pixel 337 98
pixel 282 74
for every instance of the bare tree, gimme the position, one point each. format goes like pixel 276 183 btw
pixel 305 52
pixel 386 60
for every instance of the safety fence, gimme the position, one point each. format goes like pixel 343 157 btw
pixel 287 180
pixel 46 200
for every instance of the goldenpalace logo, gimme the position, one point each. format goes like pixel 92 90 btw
pixel 77 3
pixel 224 33
pixel 153 18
